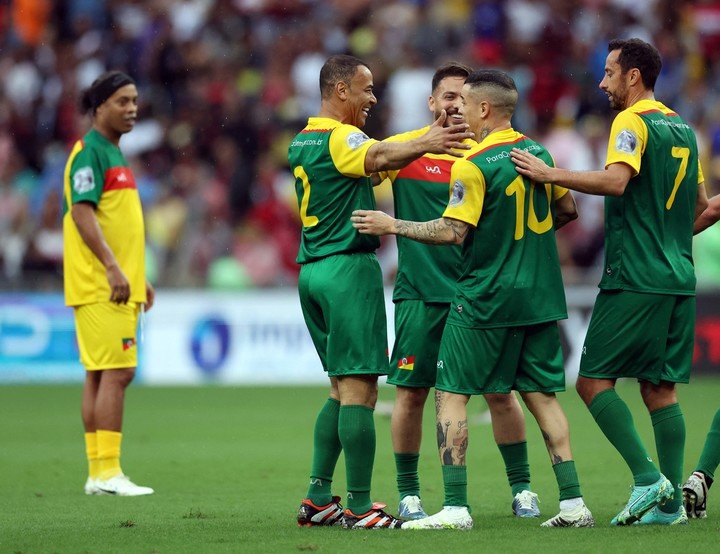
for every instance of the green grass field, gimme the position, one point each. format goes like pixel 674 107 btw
pixel 230 466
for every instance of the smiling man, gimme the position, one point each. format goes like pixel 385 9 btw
pixel 643 321
pixel 104 271
pixel 340 283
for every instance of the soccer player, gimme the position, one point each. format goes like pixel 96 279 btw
pixel 340 283
pixel 695 489
pixel 424 287
pixel 643 322
pixel 104 272
pixel 501 333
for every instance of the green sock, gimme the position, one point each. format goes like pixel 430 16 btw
pixel 455 480
pixel 356 428
pixel 616 422
pixel 517 466
pixel 326 450
pixel 567 480
pixel 669 426
pixel 408 482
pixel 710 457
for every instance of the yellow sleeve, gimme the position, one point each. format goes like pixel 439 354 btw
pixel 701 177
pixel 628 137
pixel 467 193
pixel 348 148
pixel 558 192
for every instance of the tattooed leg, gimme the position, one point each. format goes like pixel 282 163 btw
pixel 452 427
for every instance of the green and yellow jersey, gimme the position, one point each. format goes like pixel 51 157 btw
pixel 97 172
pixel 648 230
pixel 327 159
pixel 425 272
pixel 511 270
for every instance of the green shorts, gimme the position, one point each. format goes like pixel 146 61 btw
pixel 343 304
pixel 482 361
pixel 648 337
pixel 418 330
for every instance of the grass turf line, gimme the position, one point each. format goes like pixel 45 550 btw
pixel 230 467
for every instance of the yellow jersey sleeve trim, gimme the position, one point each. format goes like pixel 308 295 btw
pixel 348 148
pixel 701 177
pixel 467 192
pixel 628 137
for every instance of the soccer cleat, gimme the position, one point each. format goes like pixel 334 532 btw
pixel 577 517
pixel 375 518
pixel 450 517
pixel 121 485
pixel 695 492
pixel 525 504
pixel 310 515
pixel 656 516
pixel 642 499
pixel 411 508
pixel 91 486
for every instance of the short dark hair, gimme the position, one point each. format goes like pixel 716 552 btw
pixel 636 53
pixel 502 86
pixel 450 69
pixel 336 69
pixel 103 88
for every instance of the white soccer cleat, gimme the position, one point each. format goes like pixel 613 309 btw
pixel 121 485
pixel 577 517
pixel 91 486
pixel 450 517
pixel 695 492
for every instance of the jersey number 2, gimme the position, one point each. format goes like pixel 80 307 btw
pixel 307 220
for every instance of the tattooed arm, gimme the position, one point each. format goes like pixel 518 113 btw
pixel 438 231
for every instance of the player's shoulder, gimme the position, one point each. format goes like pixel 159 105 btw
pixel 408 135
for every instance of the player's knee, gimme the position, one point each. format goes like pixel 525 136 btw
pixel 500 403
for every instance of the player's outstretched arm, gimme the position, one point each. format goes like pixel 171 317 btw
pixel 608 182
pixel 385 155
pixel 438 231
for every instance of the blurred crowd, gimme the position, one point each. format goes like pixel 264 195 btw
pixel 225 84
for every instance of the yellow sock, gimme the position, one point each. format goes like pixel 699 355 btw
pixel 108 445
pixel 91 449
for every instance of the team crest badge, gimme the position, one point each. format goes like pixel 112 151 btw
pixel 626 141
pixel 128 343
pixel 457 196
pixel 354 140
pixel 83 180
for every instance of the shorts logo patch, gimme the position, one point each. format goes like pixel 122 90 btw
pixel 83 180
pixel 128 343
pixel 626 141
pixel 407 363
pixel 355 140
pixel 457 196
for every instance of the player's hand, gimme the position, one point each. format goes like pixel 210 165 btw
pixel 119 285
pixel 531 166
pixel 447 140
pixel 370 222
pixel 150 294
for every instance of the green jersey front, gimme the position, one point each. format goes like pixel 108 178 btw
pixel 425 272
pixel 649 229
pixel 511 270
pixel 327 159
